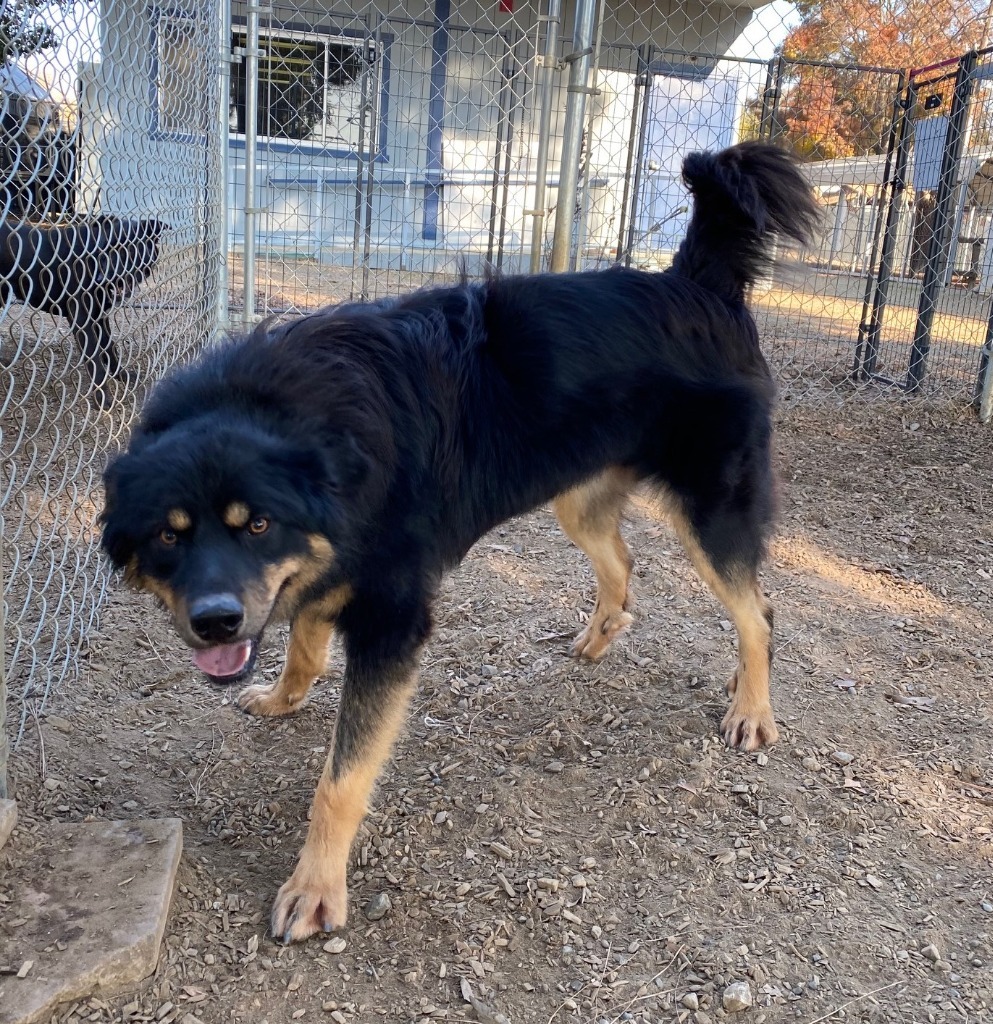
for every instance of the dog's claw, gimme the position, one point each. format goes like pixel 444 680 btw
pixel 593 642
pixel 267 701
pixel 311 902
pixel 748 729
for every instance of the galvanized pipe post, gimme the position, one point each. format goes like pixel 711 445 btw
pixel 580 63
pixel 252 54
pixel 224 130
pixel 550 68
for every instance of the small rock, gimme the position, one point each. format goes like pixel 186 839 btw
pixel 943 966
pixel 811 764
pixel 554 767
pixel 931 952
pixel 737 996
pixel 130 805
pixel 579 881
pixel 842 757
pixel 336 945
pixel 378 907
pixel 51 785
pixel 987 906
pixel 691 1001
pixel 62 724
pixel 761 759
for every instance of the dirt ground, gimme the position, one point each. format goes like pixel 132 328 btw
pixel 572 842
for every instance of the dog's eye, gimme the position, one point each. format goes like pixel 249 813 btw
pixel 168 537
pixel 258 525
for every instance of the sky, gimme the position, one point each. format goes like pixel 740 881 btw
pixel 766 30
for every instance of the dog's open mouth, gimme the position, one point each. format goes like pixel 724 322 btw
pixel 227 663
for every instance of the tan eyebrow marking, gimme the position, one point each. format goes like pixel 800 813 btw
pixel 179 519
pixel 236 515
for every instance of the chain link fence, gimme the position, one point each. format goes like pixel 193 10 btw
pixel 393 148
pixel 109 240
pixel 168 168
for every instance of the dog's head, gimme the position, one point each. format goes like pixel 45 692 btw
pixel 229 525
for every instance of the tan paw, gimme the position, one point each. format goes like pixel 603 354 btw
pixel 593 642
pixel 312 901
pixel 267 701
pixel 749 728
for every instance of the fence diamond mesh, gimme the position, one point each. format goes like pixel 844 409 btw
pixel 109 182
pixel 164 168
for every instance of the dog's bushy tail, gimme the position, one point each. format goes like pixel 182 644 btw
pixel 742 198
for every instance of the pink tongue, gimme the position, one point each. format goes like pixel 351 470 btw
pixel 223 660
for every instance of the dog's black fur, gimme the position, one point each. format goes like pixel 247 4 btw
pixel 352 456
pixel 80 271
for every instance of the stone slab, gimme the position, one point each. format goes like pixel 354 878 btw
pixel 88 913
pixel 8 819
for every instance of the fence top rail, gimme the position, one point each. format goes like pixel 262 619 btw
pixel 914 72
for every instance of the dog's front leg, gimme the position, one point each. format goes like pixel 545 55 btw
pixel 380 676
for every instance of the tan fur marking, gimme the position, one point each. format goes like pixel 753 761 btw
pixel 179 519
pixel 749 721
pixel 306 659
pixel 236 515
pixel 164 593
pixel 316 895
pixel 590 516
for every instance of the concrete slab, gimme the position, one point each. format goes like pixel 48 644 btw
pixel 88 916
pixel 8 819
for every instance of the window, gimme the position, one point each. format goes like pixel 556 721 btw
pixel 311 89
pixel 181 76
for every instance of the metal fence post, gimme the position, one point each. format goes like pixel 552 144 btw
pixel 550 68
pixel 252 54
pixel 984 381
pixel 580 62
pixel 937 250
pixel 225 57
pixel 874 302
pixel 640 80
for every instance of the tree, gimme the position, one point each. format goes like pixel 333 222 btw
pixel 23 28
pixel 834 111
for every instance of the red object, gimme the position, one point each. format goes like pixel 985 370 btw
pixel 506 6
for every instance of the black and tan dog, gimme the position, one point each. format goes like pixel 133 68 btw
pixel 329 471
pixel 81 271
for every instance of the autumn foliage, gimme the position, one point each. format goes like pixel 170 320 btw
pixel 827 112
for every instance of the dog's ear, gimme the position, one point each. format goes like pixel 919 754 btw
pixel 115 539
pixel 348 465
pixel 318 474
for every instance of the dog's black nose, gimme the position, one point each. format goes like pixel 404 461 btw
pixel 217 617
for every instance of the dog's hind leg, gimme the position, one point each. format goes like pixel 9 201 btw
pixel 306 659
pixel 726 549
pixel 590 515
